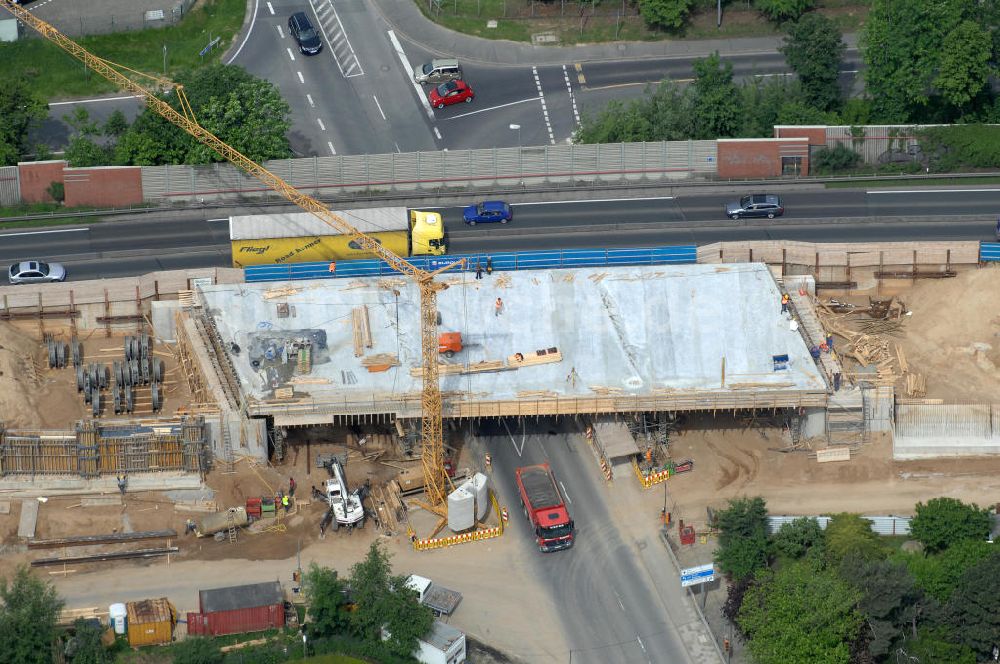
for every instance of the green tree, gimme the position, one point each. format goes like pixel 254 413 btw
pixel 932 646
pixel 890 600
pixel 945 521
pixel 800 613
pixel 116 124
pixel 814 50
pixel 328 602
pixel 663 114
pixel 715 110
pixel 83 148
pixel 797 538
pixel 666 14
pixel 911 47
pixel 743 544
pixel 851 534
pixel 21 111
pixel 938 575
pixel 385 602
pixel 85 646
pixel 197 650
pixel 782 10
pixel 964 69
pixel 29 609
pixel 830 160
pixel 973 612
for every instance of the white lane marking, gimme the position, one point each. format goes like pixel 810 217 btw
pixel 330 145
pixel 437 133
pixel 350 66
pixel 281 33
pixel 408 72
pixel 290 54
pixel 301 80
pixel 309 98
pixel 545 110
pixel 491 108
pixel 397 146
pixel 848 71
pixel 640 643
pixel 92 101
pixel 270 8
pixel 572 97
pixel 61 230
pixel 595 200
pixel 322 126
pixel 219 219
pixel 379 107
pixel 512 441
pixel 565 493
pixel 619 598
pixel 931 191
pixel 246 38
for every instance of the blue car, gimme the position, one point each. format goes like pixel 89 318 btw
pixel 487 212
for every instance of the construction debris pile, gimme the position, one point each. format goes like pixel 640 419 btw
pixel 870 333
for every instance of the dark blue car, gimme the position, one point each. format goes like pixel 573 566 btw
pixel 487 212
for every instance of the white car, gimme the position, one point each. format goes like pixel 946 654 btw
pixel 35 272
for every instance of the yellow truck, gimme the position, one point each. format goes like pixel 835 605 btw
pixel 300 237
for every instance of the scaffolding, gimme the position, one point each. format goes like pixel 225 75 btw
pixel 97 448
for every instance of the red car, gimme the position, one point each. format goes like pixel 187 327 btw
pixel 450 93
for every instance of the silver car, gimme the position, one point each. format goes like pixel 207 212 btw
pixel 35 272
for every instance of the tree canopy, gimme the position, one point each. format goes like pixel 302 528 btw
pixel 850 534
pixel 797 538
pixel 800 613
pixel 743 542
pixel 814 49
pixel 29 609
pixel 944 521
pixel 938 575
pixel 328 602
pixel 973 611
pixel 21 110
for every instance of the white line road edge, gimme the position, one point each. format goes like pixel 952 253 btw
pixel 380 112
pixel 408 72
pixel 61 230
pixel 93 101
pixel 493 108
pixel 931 191
pixel 253 21
pixel 565 492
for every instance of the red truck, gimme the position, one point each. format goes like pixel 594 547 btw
pixel 545 508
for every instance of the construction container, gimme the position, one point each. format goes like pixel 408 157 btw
pixel 253 508
pixel 238 609
pixel 267 507
pixel 150 622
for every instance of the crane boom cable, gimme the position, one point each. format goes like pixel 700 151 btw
pixel 432 452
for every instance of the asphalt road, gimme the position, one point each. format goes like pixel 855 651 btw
pixel 121 248
pixel 611 610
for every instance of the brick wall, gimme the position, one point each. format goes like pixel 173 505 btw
pixel 816 135
pixel 104 186
pixel 36 177
pixel 759 157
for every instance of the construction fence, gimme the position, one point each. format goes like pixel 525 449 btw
pixel 106 448
pixel 10 186
pixel 924 430
pixel 581 166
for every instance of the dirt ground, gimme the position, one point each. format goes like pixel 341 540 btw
pixel 953 335
pixel 32 396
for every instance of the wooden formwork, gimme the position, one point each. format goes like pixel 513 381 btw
pixel 96 449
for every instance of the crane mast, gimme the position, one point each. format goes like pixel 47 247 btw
pixel 432 452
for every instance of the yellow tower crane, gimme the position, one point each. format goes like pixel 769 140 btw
pixel 432 453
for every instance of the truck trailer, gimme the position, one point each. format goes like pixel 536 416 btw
pixel 544 507
pixel 301 237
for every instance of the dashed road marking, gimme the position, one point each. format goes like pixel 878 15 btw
pixel 336 36
pixel 270 8
pixel 380 112
pixel 329 144
pixel 545 109
pixel 281 33
pixel 301 79
pixel 290 54
pixel 572 97
pixel 322 126
pixel 309 98
pixel 437 133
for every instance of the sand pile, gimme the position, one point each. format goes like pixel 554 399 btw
pixel 953 336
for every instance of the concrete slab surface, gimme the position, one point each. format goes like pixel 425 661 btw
pixel 620 331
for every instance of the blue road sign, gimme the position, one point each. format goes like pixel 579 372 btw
pixel 694 575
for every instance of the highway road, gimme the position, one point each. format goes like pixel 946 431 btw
pixel 196 239
pixel 608 590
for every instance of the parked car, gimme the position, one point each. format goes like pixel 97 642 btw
pixel 301 28
pixel 487 212
pixel 756 205
pixel 438 71
pixel 35 272
pixel 450 93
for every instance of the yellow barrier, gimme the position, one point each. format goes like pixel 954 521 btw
pixel 652 479
pixel 429 543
